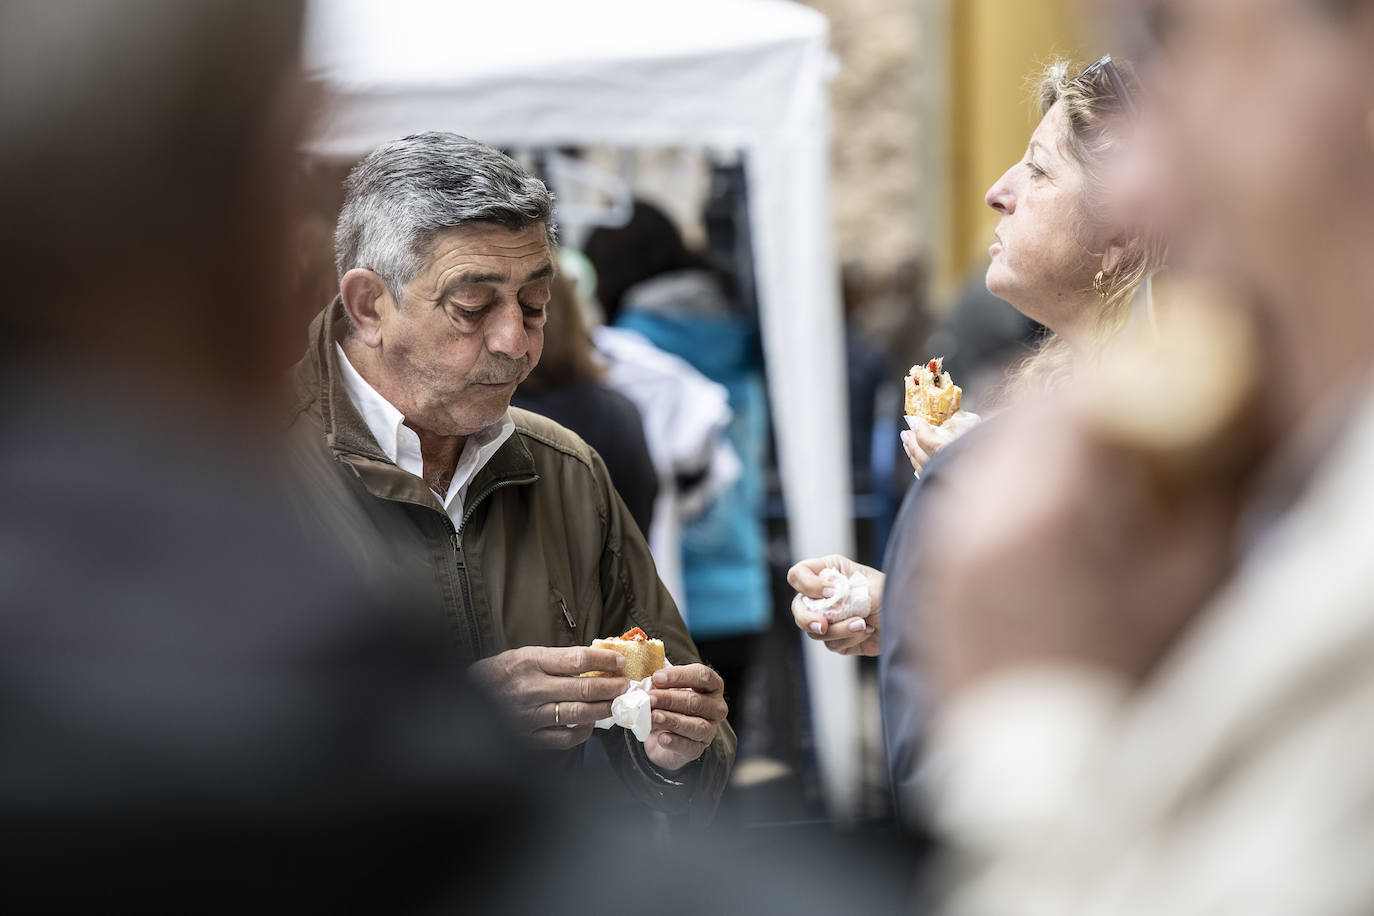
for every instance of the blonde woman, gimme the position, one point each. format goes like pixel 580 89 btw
pixel 1064 253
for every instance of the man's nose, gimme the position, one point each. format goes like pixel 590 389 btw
pixel 507 335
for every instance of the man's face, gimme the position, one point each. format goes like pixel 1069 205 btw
pixel 469 328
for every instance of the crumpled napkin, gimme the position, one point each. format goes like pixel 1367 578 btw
pixel 960 422
pixel 633 710
pixel 851 598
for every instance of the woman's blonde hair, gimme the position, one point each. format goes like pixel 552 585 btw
pixel 1093 109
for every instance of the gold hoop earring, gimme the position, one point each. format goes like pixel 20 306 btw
pixel 1100 283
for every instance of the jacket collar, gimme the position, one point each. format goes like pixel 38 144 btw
pixel 317 382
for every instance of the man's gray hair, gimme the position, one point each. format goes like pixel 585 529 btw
pixel 406 192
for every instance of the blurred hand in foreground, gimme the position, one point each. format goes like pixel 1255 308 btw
pixel 1060 548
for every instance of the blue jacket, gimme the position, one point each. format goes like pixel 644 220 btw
pixel 725 567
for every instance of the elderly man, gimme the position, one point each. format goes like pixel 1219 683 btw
pixel 445 248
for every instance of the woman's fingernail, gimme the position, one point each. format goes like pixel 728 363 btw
pixel 815 626
pixel 827 593
pixel 857 626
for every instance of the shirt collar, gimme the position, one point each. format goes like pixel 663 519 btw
pixel 383 420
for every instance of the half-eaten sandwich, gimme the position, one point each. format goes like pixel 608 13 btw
pixel 643 656
pixel 931 394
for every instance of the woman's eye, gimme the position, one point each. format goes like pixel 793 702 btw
pixel 1035 170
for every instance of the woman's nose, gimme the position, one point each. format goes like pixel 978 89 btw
pixel 1000 196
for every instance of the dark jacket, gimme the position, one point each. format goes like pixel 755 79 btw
pixel 546 555
pixel 904 693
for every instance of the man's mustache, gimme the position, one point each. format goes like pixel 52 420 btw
pixel 501 371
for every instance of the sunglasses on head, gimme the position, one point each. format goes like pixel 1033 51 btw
pixel 1105 65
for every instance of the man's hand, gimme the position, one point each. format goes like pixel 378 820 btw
pixel 688 703
pixel 538 688
pixel 855 636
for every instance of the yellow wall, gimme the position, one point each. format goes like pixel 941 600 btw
pixel 995 47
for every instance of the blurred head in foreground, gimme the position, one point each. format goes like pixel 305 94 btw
pixel 144 178
pixel 1266 110
pixel 204 707
pixel 1066 253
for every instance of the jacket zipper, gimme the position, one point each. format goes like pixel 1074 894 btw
pixel 474 631
pixel 456 537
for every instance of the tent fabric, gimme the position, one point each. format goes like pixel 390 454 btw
pixel 728 75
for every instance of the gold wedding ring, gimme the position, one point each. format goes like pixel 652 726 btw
pixel 557 719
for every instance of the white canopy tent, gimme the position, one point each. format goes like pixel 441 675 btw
pixel 746 75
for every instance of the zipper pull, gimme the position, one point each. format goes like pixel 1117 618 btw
pixel 572 624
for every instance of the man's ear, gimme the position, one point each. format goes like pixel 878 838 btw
pixel 367 301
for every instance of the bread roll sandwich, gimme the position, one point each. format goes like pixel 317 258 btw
pixel 931 394
pixel 643 656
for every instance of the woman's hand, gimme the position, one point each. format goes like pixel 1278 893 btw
pixel 854 636
pixel 921 443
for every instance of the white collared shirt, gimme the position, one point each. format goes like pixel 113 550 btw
pixel 402 445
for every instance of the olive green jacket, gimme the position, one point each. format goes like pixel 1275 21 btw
pixel 546 555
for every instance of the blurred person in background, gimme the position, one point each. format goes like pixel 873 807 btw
pixel 1160 703
pixel 569 387
pixel 649 283
pixel 204 706
pixel 1066 256
pixel 445 252
pixel 685 417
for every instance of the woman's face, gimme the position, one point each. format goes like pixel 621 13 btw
pixel 1041 263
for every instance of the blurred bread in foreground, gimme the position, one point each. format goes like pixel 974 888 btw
pixel 1177 387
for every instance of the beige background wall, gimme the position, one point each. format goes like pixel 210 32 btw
pixel 996 47
pixel 931 103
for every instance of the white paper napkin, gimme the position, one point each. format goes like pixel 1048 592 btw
pixel 851 597
pixel 633 710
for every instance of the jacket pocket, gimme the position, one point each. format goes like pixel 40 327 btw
pixel 564 620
